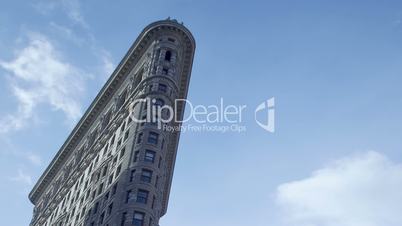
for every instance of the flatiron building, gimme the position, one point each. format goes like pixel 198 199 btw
pixel 116 167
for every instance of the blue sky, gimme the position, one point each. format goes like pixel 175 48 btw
pixel 334 68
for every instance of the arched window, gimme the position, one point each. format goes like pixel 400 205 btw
pixel 168 55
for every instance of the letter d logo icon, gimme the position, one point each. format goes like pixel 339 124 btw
pixel 270 122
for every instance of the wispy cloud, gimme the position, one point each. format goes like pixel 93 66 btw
pixel 107 65
pixel 22 178
pixel 67 33
pixel 38 74
pixel 360 190
pixel 34 158
pixel 72 8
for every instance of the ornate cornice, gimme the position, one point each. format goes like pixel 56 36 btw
pixel 108 91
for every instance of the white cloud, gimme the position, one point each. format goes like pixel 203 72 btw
pixel 34 159
pixel 72 8
pixel 107 65
pixel 39 75
pixel 22 177
pixel 67 33
pixel 361 190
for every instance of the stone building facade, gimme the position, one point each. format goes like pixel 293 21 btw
pixel 113 170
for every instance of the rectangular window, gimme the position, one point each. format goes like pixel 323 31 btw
pixel 165 71
pixel 102 217
pixel 138 219
pixel 168 55
pixel 142 196
pixel 109 209
pixel 126 135
pixel 97 159
pixel 162 88
pixel 118 171
pixel 114 189
pixel 153 138
pixel 100 190
pixel 146 176
pixel 139 138
pixel 122 152
pixel 156 181
pixel 132 175
pixel 87 195
pixel 123 219
pixel 128 195
pixel 149 156
pixel 95 210
pixel 159 102
pixel 113 138
pixel 111 178
pixel 104 171
pixel 83 212
pixel 136 154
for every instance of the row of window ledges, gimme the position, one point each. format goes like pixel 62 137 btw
pixel 161 88
pixel 96 174
pixel 149 157
pixel 146 175
pixel 138 219
pixel 141 198
pixel 78 181
pixel 142 195
pixel 123 97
